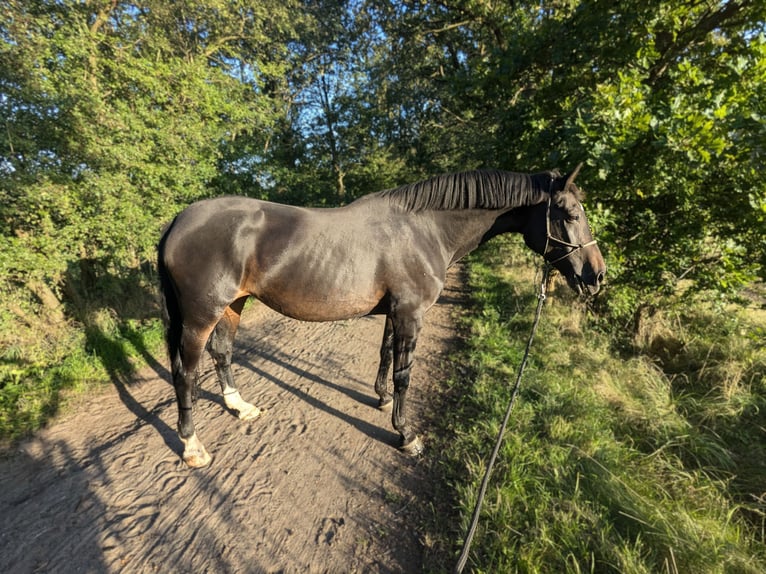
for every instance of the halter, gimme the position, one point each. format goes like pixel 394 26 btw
pixel 575 247
pixel 547 267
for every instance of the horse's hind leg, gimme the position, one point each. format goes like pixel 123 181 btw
pixel 221 346
pixel 386 356
pixel 185 377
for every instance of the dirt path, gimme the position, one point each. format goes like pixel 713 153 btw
pixel 314 485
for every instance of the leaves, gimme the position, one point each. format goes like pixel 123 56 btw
pixel 125 110
pixel 130 112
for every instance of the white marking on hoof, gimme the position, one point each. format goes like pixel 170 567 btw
pixel 195 454
pixel 386 405
pixel 245 410
pixel 249 413
pixel 414 447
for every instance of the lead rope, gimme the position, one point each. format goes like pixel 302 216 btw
pixel 485 481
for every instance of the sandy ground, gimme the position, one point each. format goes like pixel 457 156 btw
pixel 313 485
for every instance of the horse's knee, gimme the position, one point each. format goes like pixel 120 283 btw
pixel 402 379
pixel 220 349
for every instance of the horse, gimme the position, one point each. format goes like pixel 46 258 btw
pixel 386 253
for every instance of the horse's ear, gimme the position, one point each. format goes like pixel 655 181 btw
pixel 572 175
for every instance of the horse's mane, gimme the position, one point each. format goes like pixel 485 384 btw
pixel 483 189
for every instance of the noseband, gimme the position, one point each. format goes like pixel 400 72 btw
pixel 574 247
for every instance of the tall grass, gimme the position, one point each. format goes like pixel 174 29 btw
pixel 648 461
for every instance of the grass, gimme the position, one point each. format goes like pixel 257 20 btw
pixel 51 356
pixel 649 461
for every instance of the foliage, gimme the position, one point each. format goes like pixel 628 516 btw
pixel 663 100
pixel 612 463
pixel 115 114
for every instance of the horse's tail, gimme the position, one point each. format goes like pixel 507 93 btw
pixel 171 308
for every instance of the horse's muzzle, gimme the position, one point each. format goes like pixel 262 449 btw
pixel 588 283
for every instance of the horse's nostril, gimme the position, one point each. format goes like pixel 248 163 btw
pixel 600 278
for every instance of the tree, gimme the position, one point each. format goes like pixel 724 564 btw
pixel 663 100
pixel 116 114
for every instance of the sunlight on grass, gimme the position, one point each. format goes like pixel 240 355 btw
pixel 42 370
pixel 645 462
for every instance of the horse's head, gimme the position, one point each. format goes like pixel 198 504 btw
pixel 558 230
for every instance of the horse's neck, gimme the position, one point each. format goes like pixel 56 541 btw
pixel 506 222
pixel 464 230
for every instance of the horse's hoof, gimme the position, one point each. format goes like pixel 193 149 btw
pixel 197 460
pixel 414 447
pixel 195 455
pixel 251 412
pixel 245 410
pixel 385 404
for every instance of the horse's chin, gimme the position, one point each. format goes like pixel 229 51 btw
pixel 575 283
pixel 579 286
pixel 592 289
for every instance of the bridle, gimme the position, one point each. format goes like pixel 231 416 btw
pixel 574 247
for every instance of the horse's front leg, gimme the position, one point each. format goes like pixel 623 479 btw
pixel 221 347
pixel 386 356
pixel 406 330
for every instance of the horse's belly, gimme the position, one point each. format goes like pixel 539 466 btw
pixel 319 280
pixel 312 306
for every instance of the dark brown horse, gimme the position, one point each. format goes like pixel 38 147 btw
pixel 385 253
